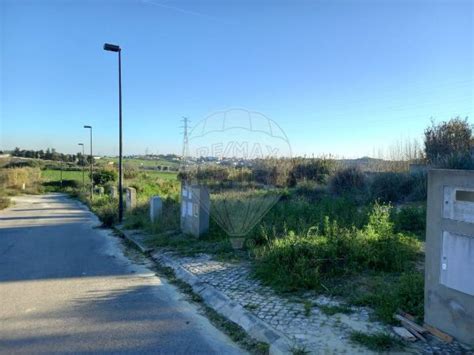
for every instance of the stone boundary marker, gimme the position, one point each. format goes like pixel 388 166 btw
pixel 279 343
pixel 130 198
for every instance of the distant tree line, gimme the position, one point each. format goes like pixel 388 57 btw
pixel 51 154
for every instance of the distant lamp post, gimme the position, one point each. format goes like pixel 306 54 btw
pixel 83 179
pixel 117 49
pixel 92 162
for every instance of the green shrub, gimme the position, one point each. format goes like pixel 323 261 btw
pixel 130 171
pixel 57 185
pixel 106 208
pixel 388 293
pixel 398 187
pixel 409 294
pixel 387 187
pixel 306 261
pixel 317 170
pixel 349 180
pixel 104 176
pixel 377 342
pixel 411 219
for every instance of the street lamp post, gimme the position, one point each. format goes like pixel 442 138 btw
pixel 117 49
pixel 92 162
pixel 83 179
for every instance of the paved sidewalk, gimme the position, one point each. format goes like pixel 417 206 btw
pixel 314 331
pixel 287 323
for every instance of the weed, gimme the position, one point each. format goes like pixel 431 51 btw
pixel 332 310
pixel 251 306
pixel 299 350
pixel 377 341
pixel 308 305
pixel 299 262
pixel 386 293
pixel 411 219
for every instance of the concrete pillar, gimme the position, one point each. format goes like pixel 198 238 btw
pixel 156 208
pixel 195 209
pixel 449 267
pixel 131 198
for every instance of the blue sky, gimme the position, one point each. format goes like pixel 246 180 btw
pixel 340 77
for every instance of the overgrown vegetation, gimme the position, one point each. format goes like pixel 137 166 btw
pixel 377 341
pixel 337 228
pixel 307 261
pixel 450 144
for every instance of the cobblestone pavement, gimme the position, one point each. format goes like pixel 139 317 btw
pixel 307 327
pixel 301 318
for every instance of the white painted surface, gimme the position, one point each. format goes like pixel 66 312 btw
pixel 457 262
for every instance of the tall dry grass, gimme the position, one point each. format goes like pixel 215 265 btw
pixel 15 178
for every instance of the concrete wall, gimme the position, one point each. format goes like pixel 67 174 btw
pixel 449 269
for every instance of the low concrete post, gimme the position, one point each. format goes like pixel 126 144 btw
pixel 156 208
pixel 131 198
pixel 195 209
pixel 113 192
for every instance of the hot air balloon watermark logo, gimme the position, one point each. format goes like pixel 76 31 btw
pixel 236 154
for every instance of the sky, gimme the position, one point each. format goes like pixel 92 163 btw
pixel 340 77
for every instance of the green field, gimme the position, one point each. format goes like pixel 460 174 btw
pixel 55 175
pixel 138 163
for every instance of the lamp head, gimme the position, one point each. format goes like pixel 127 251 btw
pixel 111 47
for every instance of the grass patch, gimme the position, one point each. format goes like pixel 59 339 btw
pixel 377 341
pixel 187 245
pixel 387 293
pixel 332 310
pixel 299 350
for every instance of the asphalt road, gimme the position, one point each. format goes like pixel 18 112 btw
pixel 66 286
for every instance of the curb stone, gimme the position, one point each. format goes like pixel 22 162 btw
pixel 136 238
pixel 279 343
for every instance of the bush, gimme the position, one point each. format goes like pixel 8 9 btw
pixel 317 170
pixel 106 208
pixel 130 171
pixel 56 184
pixel 449 144
pixel 398 187
pixel 386 294
pixel 411 219
pixel 104 176
pixel 305 261
pixel 349 180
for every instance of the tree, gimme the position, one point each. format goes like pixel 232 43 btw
pixel 449 144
